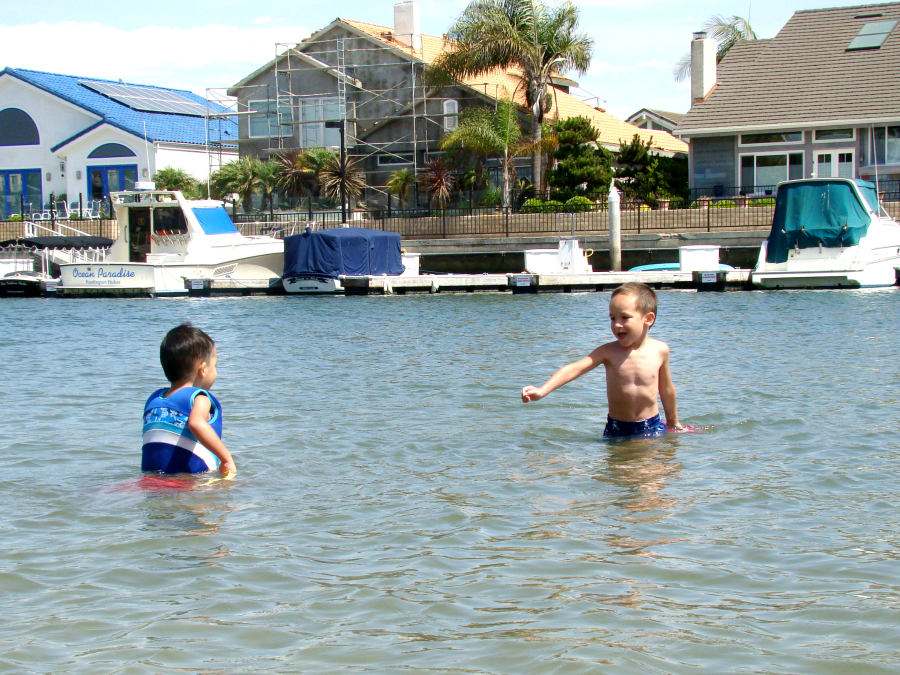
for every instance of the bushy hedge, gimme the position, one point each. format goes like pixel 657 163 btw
pixel 540 206
pixel 723 204
pixel 579 204
pixel 767 201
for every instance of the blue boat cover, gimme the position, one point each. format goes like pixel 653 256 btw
pixel 829 213
pixel 352 251
pixel 214 219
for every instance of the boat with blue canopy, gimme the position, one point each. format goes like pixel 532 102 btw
pixel 316 261
pixel 828 233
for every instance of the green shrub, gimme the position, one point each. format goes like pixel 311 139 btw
pixel 15 218
pixel 579 204
pixel 532 206
pixel 492 196
pixel 723 204
pixel 767 201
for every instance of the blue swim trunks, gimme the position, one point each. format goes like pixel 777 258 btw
pixel 646 428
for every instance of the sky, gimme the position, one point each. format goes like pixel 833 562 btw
pixel 201 44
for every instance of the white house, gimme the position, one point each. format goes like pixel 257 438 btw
pixel 84 137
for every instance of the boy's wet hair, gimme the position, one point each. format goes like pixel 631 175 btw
pixel 182 350
pixel 643 294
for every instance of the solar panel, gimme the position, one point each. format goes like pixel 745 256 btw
pixel 872 35
pixel 148 99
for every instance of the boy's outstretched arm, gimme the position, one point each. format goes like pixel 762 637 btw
pixel 198 423
pixel 563 376
pixel 667 394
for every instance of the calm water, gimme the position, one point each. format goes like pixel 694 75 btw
pixel 398 510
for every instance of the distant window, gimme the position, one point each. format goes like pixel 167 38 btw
pixel 111 150
pixel 872 35
pixel 451 115
pixel 17 128
pixel 266 124
pixel 886 144
pixel 783 137
pixel 387 160
pixel 835 135
pixel 760 172
pixel 314 112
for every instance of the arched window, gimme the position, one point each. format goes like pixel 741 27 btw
pixel 17 128
pixel 111 150
pixel 451 118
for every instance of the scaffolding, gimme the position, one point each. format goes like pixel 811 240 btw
pixel 367 86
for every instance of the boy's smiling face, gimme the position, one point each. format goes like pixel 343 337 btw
pixel 627 323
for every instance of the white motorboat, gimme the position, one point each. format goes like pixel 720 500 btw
pixel 828 233
pixel 28 264
pixel 316 262
pixel 168 244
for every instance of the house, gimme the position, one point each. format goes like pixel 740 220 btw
pixel 818 99
pixel 84 137
pixel 655 120
pixel 372 76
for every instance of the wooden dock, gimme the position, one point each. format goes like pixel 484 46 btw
pixel 543 283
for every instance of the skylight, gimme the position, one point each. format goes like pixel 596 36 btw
pixel 147 99
pixel 872 35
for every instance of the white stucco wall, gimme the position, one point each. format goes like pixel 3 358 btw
pixel 56 121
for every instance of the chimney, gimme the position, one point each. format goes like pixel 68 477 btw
pixel 407 27
pixel 703 66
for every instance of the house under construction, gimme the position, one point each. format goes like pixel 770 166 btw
pixel 368 79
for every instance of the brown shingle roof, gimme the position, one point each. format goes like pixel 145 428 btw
pixel 804 76
pixel 498 84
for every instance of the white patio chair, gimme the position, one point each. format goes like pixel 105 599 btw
pixel 62 210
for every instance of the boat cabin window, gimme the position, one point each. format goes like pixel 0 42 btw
pixel 169 221
pixel 138 234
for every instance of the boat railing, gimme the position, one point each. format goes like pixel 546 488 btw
pixel 32 229
pixel 275 228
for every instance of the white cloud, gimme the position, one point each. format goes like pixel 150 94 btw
pixel 211 52
pixel 653 63
pixel 261 19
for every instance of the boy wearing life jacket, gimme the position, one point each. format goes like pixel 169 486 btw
pixel 637 368
pixel 183 422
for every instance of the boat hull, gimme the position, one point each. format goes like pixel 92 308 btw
pixel 312 285
pixel 166 278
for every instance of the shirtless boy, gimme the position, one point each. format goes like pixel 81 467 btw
pixel 637 368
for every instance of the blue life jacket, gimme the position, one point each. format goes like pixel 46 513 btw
pixel 169 446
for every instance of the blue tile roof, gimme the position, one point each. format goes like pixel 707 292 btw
pixel 164 127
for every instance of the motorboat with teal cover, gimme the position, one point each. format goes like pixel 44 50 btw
pixel 167 242
pixel 315 261
pixel 828 233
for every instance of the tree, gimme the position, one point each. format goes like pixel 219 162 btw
pixel 580 160
pixel 726 32
pixel 296 174
pixel 439 182
pixel 646 177
pixel 329 178
pixel 487 133
pixel 528 35
pixel 170 178
pixel 237 177
pixel 399 184
pixel 267 181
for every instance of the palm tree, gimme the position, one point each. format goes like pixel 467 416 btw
pixel 296 174
pixel 237 177
pixel 439 182
pixel 170 178
pixel 486 133
pixel 399 184
pixel 726 32
pixel 528 35
pixel 267 181
pixel 329 178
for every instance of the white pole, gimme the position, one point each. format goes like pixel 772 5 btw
pixel 615 229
